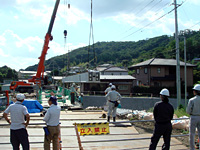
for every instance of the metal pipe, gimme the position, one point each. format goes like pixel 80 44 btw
pixel 119 122
pixel 185 71
pixel 134 121
pixel 131 139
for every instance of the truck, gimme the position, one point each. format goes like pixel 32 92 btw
pixel 39 77
pixel 21 86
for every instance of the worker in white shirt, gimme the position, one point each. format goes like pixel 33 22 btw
pixel 113 98
pixel 108 89
pixel 52 119
pixel 194 112
pixel 18 132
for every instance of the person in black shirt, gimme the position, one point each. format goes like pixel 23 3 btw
pixel 163 114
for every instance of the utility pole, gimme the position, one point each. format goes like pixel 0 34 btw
pixel 178 83
pixel 183 33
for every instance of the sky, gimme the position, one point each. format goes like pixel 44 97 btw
pixel 24 24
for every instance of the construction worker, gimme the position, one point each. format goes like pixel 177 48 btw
pixel 108 89
pixel 18 132
pixel 113 98
pixel 194 112
pixel 80 98
pixel 163 114
pixel 73 92
pixel 52 119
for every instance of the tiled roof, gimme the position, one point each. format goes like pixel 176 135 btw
pixel 161 62
pixel 116 77
pixel 111 69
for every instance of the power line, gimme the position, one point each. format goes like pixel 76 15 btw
pixel 162 8
pixel 145 7
pixel 195 25
pixel 144 20
pixel 153 21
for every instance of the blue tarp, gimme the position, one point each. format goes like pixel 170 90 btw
pixel 33 106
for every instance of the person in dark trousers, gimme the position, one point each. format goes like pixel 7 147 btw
pixel 18 132
pixel 73 93
pixel 193 109
pixel 163 114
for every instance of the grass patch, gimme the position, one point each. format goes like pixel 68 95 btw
pixel 181 112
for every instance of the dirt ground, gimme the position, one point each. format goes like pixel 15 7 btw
pixel 148 127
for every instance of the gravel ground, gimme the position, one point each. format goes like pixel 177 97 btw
pixel 148 127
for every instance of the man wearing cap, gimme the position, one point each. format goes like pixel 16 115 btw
pixel 52 119
pixel 193 109
pixel 73 93
pixel 163 114
pixel 108 89
pixel 18 132
pixel 113 98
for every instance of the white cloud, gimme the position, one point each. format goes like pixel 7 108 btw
pixel 72 15
pixel 3 54
pixel 196 2
pixel 2 40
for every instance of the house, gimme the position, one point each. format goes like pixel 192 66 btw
pixel 28 74
pixel 159 72
pixel 97 80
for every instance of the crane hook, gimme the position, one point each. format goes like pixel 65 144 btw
pixel 65 33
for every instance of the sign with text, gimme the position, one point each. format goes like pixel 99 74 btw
pixel 93 128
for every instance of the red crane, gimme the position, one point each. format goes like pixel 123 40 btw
pixel 40 70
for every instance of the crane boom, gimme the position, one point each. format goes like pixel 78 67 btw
pixel 48 37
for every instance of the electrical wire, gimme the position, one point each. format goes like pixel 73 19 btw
pixel 145 20
pixel 195 25
pixel 153 21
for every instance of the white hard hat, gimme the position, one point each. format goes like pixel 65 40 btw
pixel 20 97
pixel 197 87
pixel 113 87
pixel 110 83
pixel 164 92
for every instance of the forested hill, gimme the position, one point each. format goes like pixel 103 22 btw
pixel 7 73
pixel 127 53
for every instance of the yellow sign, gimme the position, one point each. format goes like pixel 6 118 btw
pixel 93 128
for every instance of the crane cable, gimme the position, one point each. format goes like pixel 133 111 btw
pixel 91 35
pixel 65 37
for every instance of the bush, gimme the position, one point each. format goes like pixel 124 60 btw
pixel 181 112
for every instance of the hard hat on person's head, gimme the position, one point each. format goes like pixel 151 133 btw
pixel 53 99
pixel 164 92
pixel 113 87
pixel 196 87
pixel 110 84
pixel 20 97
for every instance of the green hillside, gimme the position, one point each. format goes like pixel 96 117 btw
pixel 7 73
pixel 128 53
